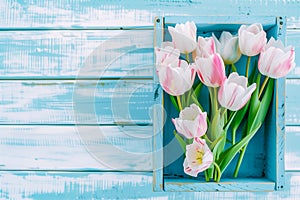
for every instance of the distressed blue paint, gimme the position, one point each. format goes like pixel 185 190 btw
pixel 94 14
pixel 76 102
pixel 75 54
pixel 227 185
pixel 293 39
pixel 292 153
pixel 292 100
pixel 158 117
pixel 97 148
pixel 21 16
pixel 122 185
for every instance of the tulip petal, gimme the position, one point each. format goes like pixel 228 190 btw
pixel 184 36
pixel 276 61
pixel 234 93
pixel 252 39
pixel 198 157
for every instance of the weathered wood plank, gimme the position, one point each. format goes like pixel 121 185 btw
pixel 96 148
pixel 97 185
pixel 76 102
pixel 292 114
pixel 76 148
pixel 75 54
pixel 293 38
pixel 292 150
pixel 106 13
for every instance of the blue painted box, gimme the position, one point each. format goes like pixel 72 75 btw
pixel 263 165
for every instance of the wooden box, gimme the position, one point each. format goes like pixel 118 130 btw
pixel 263 165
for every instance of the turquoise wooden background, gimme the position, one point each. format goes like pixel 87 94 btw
pixel 53 104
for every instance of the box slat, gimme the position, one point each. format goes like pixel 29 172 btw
pixel 75 54
pixel 115 14
pixel 76 102
pixel 88 185
pixel 76 148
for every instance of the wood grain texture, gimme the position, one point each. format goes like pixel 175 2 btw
pixel 226 185
pixel 76 148
pixel 76 102
pixel 115 14
pixel 75 54
pixel 158 117
pixel 292 150
pixel 59 59
pixel 293 39
pixel 292 114
pixel 124 185
pixel 54 147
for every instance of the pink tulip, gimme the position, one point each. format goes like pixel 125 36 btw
pixel 234 93
pixel 275 60
pixel 165 56
pixel 205 46
pixel 210 70
pixel 198 157
pixel 191 122
pixel 177 77
pixel 228 47
pixel 184 36
pixel 252 39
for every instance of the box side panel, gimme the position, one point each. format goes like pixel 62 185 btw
pixel 275 142
pixel 157 116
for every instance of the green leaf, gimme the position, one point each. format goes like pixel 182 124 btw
pixel 216 142
pixel 183 101
pixel 227 156
pixel 254 105
pixel 261 113
pixel 216 126
pixel 198 89
pixel 231 117
pixel 266 101
pixel 219 146
pixel 180 141
pixel 174 102
pixel 253 73
pixel 239 117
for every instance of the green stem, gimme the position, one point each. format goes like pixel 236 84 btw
pixel 206 176
pixel 237 168
pixel 179 103
pixel 207 139
pixel 231 117
pixel 219 172
pixel 175 104
pixel 189 97
pixel 215 174
pixel 187 57
pixel 233 67
pixel 223 111
pixel 263 86
pixel 196 102
pixel 233 133
pixel 213 100
pixel 248 64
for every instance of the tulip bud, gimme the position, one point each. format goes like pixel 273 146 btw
pixel 234 93
pixel 228 47
pixel 252 39
pixel 210 70
pixel 191 122
pixel 275 60
pixel 177 77
pixel 184 36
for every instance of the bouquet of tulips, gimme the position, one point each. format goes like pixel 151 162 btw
pixel 233 97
